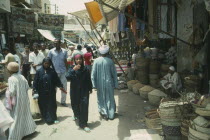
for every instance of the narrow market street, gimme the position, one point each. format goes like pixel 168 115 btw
pixel 130 116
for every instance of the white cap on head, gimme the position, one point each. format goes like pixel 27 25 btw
pixel 104 49
pixel 172 68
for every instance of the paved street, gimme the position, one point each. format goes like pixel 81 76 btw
pixel 130 114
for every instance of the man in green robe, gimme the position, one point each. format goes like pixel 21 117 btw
pixel 104 79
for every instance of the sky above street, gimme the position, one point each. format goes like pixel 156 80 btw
pixel 65 6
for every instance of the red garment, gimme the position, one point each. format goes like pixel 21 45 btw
pixel 87 58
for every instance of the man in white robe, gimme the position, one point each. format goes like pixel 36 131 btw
pixel 18 87
pixel 171 81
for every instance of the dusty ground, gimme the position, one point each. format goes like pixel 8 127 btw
pixel 130 114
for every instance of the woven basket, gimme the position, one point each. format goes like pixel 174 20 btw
pixel 198 135
pixel 202 112
pixel 131 83
pixel 153 123
pixel 144 91
pixel 171 130
pixel 143 77
pixel 200 129
pixel 136 87
pixel 155 96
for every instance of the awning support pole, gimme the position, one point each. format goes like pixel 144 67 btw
pixel 110 50
pixel 86 31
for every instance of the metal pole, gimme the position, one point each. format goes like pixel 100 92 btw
pixel 86 31
pixel 158 30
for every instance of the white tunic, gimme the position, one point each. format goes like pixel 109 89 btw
pixel 173 80
pixel 23 122
pixel 36 59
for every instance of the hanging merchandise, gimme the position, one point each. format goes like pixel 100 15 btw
pixel 22 20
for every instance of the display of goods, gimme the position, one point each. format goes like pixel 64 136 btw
pixel 155 96
pixel 131 83
pixel 142 77
pixel 154 80
pixel 154 67
pixel 144 91
pixel 196 135
pixel 171 130
pixel 164 68
pixel 3 85
pixel 136 87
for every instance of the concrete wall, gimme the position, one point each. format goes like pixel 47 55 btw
pixel 185 16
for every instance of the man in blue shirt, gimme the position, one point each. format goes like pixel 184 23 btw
pixel 59 56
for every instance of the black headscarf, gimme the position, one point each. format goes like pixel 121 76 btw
pixel 47 59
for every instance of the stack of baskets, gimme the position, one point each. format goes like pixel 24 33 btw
pixel 152 120
pixel 155 96
pixel 154 70
pixel 136 87
pixel 142 66
pixel 131 83
pixel 199 129
pixel 144 91
pixel 170 114
pixel 192 83
pixel 185 129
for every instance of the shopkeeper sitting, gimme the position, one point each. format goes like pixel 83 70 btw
pixel 171 82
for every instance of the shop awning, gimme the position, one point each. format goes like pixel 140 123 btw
pixel 5 6
pixel 108 13
pixel 47 34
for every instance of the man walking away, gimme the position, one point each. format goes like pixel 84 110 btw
pixel 104 79
pixel 88 58
pixel 59 56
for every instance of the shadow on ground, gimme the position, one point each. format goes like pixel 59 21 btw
pixel 130 113
pixel 32 136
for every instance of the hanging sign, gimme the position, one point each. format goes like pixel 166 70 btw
pixel 22 20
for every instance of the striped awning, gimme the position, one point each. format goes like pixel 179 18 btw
pixel 107 12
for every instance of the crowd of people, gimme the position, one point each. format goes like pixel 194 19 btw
pixel 46 70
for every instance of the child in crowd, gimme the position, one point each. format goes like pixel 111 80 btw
pixel 80 88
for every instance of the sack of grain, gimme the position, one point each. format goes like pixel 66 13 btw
pixel 154 67
pixel 136 87
pixel 143 77
pixel 131 83
pixel 144 91
pixel 155 97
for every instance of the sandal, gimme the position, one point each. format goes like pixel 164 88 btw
pixel 86 129
pixel 74 118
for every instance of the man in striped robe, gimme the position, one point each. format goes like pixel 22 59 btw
pixel 18 87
